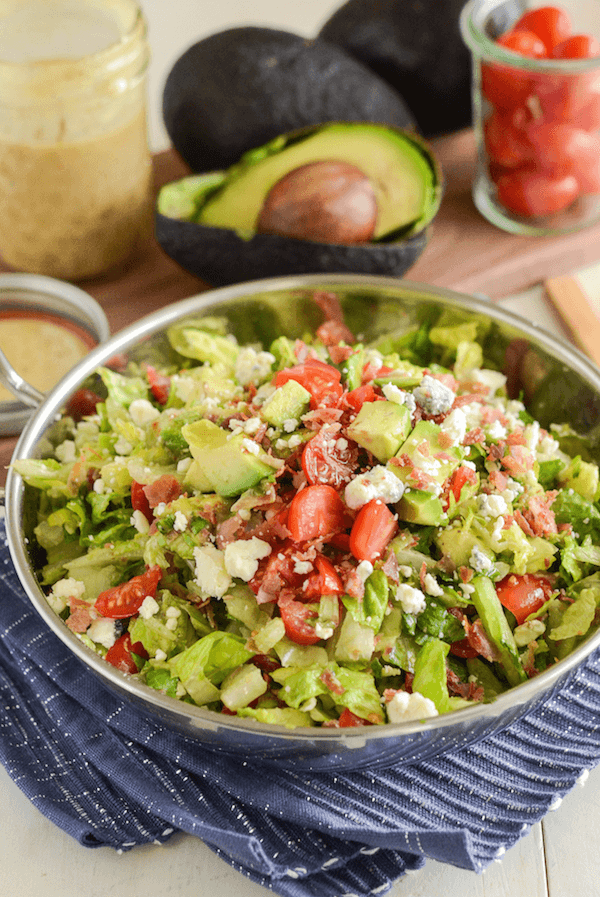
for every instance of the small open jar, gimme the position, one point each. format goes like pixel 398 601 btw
pixel 75 167
pixel 536 120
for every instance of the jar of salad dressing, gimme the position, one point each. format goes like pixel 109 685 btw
pixel 75 167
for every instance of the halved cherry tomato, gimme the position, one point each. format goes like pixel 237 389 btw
pixel 372 530
pixel 295 616
pixel 314 512
pixel 578 46
pixel 321 380
pixel 160 384
pixel 83 403
pixel 356 398
pixel 324 461
pixel 533 194
pixel 120 654
pixel 324 580
pixel 550 23
pixel 523 595
pixel 459 479
pixel 139 501
pixel 349 720
pixel 126 599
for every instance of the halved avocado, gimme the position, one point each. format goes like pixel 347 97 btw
pixel 208 223
pixel 242 87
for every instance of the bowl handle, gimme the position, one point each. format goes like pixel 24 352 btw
pixel 19 387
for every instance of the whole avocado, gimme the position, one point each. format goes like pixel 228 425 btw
pixel 416 46
pixel 239 88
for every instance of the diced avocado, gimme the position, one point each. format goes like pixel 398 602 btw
pixel 397 165
pixel 404 375
pixel 457 542
pixel 427 454
pixel 417 506
pixel 196 479
pixel 288 402
pixel 381 428
pixel 582 477
pixel 228 465
pixel 242 686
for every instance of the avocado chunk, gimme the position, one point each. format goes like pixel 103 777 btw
pixel 422 448
pixel 288 402
pixel 239 88
pixel 381 428
pixel 417 506
pixel 403 180
pixel 228 466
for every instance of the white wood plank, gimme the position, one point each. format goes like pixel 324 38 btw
pixel 520 873
pixel 571 837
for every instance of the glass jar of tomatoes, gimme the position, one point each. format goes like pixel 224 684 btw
pixel 536 114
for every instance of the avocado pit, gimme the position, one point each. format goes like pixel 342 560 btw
pixel 328 201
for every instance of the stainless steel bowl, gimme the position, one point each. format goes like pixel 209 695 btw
pixel 559 383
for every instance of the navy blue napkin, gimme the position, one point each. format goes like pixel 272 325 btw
pixel 107 775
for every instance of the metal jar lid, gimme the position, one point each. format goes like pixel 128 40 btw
pixel 38 295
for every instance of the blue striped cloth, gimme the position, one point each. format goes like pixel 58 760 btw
pixel 108 776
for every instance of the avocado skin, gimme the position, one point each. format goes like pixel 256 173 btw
pixel 240 88
pixel 219 256
pixel 417 48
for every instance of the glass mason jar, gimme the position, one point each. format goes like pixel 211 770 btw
pixel 537 126
pixel 75 166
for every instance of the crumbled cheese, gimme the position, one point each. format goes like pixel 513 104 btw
pixel 250 446
pixel 532 435
pixel 479 561
pixel 411 598
pixel 180 523
pixel 123 446
pixel 495 430
pixel 494 380
pixel 295 440
pixel 211 573
pixel 433 396
pixel 364 570
pixel 399 396
pixel 140 521
pixel 252 425
pixel 301 566
pixel 149 607
pixel 160 655
pixel 241 558
pixel 99 486
pixel 491 506
pixel 405 571
pixel 473 414
pixel 512 490
pixel 63 590
pixel 432 586
pixel 404 707
pixel 142 412
pixel 379 482
pixel 184 465
pixel 252 366
pixel 160 509
pixel 103 632
pixel 290 425
pixel 455 426
pixel 65 452
pixel 172 612
pixel 171 624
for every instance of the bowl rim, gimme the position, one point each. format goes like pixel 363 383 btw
pixel 201 719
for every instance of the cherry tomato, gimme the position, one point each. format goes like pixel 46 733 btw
pixel 321 380
pixel 372 530
pixel 550 23
pixel 160 384
pixel 532 194
pixel 349 720
pixel 324 580
pixel 460 478
pixel 83 403
pixel 324 461
pixel 120 654
pixel 562 148
pixel 139 502
pixel 356 398
pixel 523 595
pixel 295 616
pixel 506 87
pixel 578 46
pixel 126 599
pixel 314 512
pixel 505 142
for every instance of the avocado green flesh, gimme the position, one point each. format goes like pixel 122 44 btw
pixel 402 175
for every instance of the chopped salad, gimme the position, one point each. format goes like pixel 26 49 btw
pixel 321 532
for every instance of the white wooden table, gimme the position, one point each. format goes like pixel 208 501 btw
pixel 558 858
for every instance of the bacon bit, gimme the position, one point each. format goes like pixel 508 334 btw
pixel 330 305
pixel 401 461
pixel 315 420
pixel 476 387
pixel 118 362
pixel 354 585
pixel 228 530
pixel 466 399
pixel 446 564
pixel 445 439
pixel 498 480
pixel 370 371
pixel 538 518
pixel 330 681
pixel 509 519
pixel 470 691
pixel 474 437
pixel 424 449
pixel 466 574
pixel 420 479
pixel 479 640
pixel 517 437
pixel 528 661
pixel 408 682
pixel 565 527
pixel 447 379
pixel 165 489
pixel 339 354
pixel 333 332
pixel 80 619
pixel 422 574
pixel 518 461
pixel 391 567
